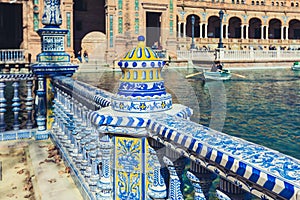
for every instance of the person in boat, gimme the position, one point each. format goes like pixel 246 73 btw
pixel 217 67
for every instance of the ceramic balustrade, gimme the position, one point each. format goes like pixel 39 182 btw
pixel 89 146
pixel 19 86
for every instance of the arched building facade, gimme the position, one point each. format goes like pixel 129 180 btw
pixel 167 24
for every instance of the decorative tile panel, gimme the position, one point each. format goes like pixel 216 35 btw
pixel 111 31
pixel 69 29
pixel 130 181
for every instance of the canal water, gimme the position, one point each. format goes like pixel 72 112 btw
pixel 263 107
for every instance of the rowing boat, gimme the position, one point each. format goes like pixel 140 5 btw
pixel 222 76
pixel 296 66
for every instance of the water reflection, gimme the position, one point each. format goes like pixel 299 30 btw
pixel 263 108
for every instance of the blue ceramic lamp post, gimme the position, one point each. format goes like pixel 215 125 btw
pixel 193 33
pixel 52 61
pixel 221 15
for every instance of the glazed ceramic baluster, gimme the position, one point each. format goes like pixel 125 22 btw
pixel 29 104
pixel 157 188
pixel 197 187
pixel 105 182
pixel 86 121
pixel 41 110
pixel 2 106
pixel 16 105
pixel 174 184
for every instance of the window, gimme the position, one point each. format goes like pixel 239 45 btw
pixel 292 4
pixel 252 2
pixel 257 3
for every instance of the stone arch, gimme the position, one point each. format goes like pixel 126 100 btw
pixel 213 29
pixel 294 29
pixel 275 28
pixel 234 28
pixel 196 26
pixel 95 44
pixel 255 28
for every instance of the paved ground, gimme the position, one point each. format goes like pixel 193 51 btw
pixel 33 170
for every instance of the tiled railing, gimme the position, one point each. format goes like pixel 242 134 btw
pixel 85 138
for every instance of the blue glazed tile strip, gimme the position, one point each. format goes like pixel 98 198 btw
pixel 17 134
pixel 104 119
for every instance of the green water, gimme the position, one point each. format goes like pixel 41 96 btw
pixel 263 108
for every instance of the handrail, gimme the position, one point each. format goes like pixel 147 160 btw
pixel 255 168
pixel 88 95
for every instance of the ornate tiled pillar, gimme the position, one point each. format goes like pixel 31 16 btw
pixel 133 168
pixel 53 61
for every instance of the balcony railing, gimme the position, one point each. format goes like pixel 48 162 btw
pixel 241 55
pixel 8 56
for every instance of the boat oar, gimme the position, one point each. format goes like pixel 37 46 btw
pixel 191 75
pixel 238 75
